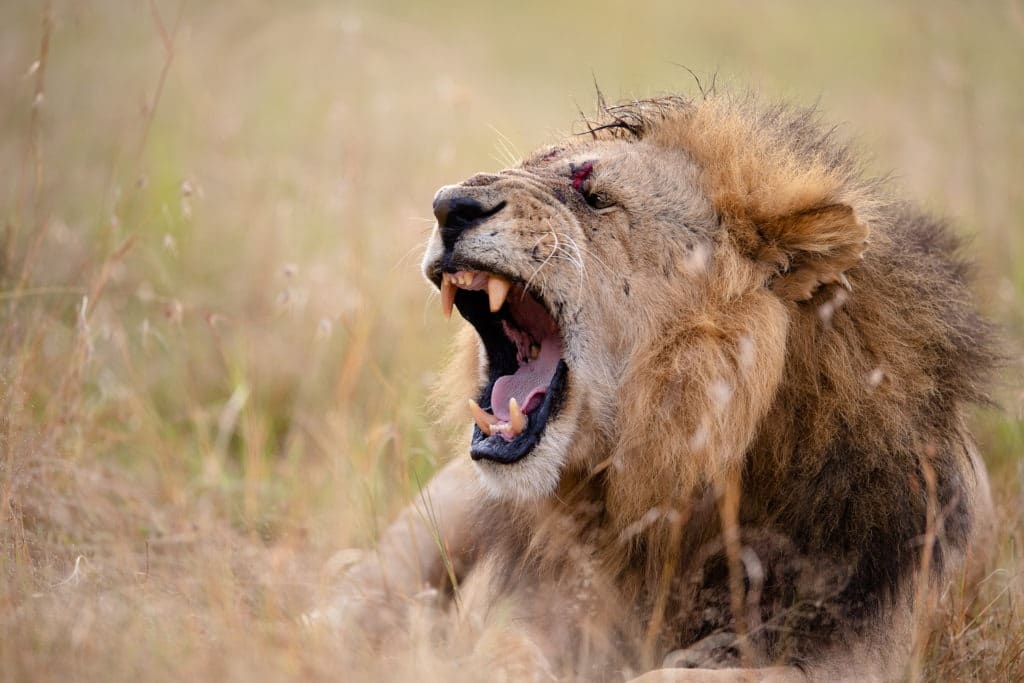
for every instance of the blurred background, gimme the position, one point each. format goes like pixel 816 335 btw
pixel 217 349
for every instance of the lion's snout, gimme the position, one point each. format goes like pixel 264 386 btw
pixel 458 208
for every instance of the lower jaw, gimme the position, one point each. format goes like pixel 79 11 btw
pixel 499 450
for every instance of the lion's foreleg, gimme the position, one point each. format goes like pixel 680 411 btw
pixel 425 546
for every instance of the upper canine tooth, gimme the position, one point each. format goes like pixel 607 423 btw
pixel 516 419
pixel 447 296
pixel 497 291
pixel 484 420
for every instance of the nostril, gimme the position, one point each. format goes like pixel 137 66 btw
pixel 455 213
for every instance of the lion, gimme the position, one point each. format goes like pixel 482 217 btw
pixel 717 380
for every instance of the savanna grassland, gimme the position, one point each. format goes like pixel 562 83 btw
pixel 216 350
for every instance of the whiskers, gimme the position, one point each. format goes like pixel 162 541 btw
pixel 554 251
pixel 567 249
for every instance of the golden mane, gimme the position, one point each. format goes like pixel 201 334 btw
pixel 880 369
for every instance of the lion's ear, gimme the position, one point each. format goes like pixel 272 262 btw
pixel 810 248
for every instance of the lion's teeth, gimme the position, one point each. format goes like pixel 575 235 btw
pixel 484 420
pixel 534 351
pixel 497 291
pixel 516 419
pixel 447 296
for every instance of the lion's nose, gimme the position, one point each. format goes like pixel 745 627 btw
pixel 457 210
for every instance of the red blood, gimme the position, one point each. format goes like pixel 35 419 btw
pixel 580 175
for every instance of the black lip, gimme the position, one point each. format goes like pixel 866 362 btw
pixel 501 355
pixel 497 449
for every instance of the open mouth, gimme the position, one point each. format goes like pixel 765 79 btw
pixel 526 373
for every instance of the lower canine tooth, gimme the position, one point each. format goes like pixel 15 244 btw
pixel 497 291
pixel 516 419
pixel 484 420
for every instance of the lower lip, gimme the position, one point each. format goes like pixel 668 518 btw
pixel 497 449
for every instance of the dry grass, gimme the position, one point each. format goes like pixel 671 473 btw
pixel 215 343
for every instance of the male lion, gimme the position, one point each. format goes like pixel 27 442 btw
pixel 719 382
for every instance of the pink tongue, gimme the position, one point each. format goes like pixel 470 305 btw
pixel 530 382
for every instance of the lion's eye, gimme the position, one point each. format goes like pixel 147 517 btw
pixel 597 200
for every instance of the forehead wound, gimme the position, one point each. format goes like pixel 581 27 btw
pixel 581 173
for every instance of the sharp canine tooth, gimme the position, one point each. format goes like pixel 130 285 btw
pixel 516 419
pixel 497 291
pixel 484 420
pixel 447 297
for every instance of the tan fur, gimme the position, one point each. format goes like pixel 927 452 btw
pixel 769 363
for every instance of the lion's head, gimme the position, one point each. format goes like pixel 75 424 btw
pixel 633 290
